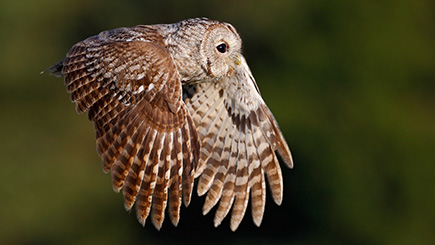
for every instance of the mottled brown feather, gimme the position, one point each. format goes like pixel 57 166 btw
pixel 130 86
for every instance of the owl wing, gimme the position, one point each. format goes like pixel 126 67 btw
pixel 239 137
pixel 145 135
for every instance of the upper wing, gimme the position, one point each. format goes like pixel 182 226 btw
pixel 145 136
pixel 239 136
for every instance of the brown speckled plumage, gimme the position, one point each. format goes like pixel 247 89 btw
pixel 168 105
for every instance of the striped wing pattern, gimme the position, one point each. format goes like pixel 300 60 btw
pixel 239 137
pixel 156 136
pixel 145 135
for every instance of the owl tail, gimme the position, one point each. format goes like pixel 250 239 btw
pixel 55 70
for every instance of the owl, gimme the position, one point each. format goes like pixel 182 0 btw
pixel 175 102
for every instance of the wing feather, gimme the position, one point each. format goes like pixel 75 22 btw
pixel 160 194
pixel 256 178
pixel 135 175
pixel 212 146
pixel 223 150
pixel 227 197
pixel 239 137
pixel 130 136
pixel 241 184
pixel 148 177
pixel 188 169
pixel 127 81
pixel 175 180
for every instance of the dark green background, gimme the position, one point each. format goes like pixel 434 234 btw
pixel 351 83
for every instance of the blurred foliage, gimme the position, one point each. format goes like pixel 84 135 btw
pixel 351 83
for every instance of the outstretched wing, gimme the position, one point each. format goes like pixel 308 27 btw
pixel 239 137
pixel 128 82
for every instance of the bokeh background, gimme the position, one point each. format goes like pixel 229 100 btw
pixel 351 83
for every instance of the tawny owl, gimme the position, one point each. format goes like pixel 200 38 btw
pixel 173 102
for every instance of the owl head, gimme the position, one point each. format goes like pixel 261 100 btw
pixel 220 50
pixel 203 49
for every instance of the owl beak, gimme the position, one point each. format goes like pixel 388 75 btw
pixel 237 60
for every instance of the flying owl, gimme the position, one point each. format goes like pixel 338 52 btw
pixel 173 102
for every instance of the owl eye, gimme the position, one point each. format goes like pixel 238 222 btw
pixel 222 48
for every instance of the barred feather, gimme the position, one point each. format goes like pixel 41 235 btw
pixel 156 135
pixel 145 136
pixel 256 177
pixel 223 150
pixel 239 137
pixel 175 179
pixel 227 197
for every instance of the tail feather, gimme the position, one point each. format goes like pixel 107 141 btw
pixel 55 70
